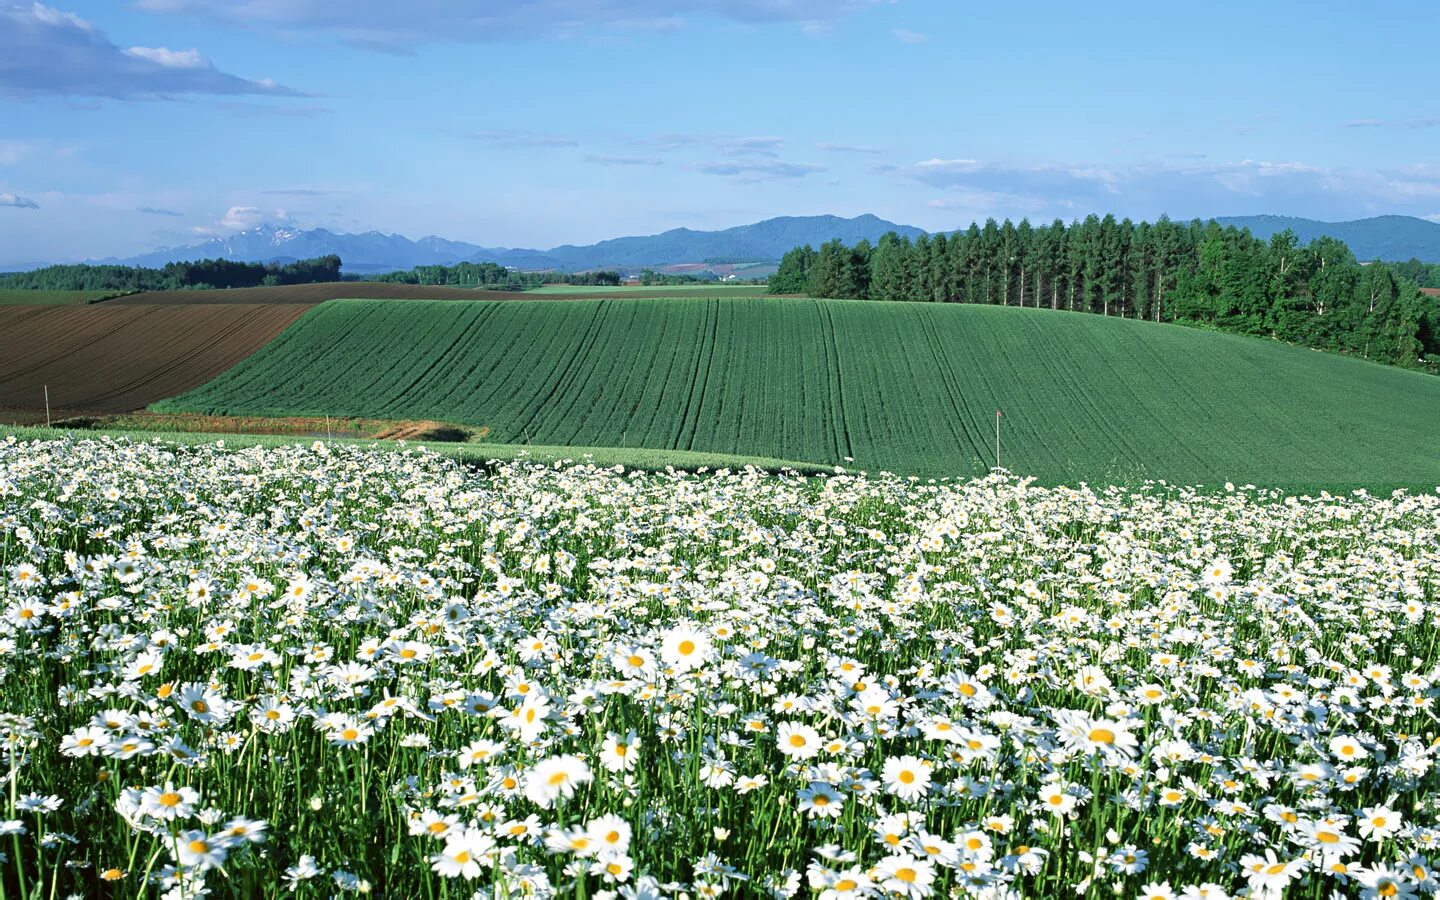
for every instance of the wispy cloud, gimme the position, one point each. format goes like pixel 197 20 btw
pixel 298 192
pixel 12 151
pixel 152 211
pixel 17 201
pixel 386 25
pixel 514 140
pixel 759 171
pixel 906 36
pixel 45 51
pixel 724 144
pixel 262 110
pixel 604 160
pixel 848 148
pixel 1198 188
pixel 1429 122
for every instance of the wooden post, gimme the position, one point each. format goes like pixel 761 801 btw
pixel 997 438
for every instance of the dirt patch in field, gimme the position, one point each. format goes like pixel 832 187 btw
pixel 285 426
pixel 108 358
pixel 431 431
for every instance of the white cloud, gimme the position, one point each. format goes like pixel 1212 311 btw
pixel 906 36
pixel 44 51
pixel 17 201
pixel 171 59
pixel 243 218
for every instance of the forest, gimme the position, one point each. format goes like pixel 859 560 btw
pixel 197 275
pixel 1194 273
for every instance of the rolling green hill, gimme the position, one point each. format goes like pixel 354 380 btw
pixel 910 388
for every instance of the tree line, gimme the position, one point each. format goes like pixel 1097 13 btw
pixel 493 276
pixel 1316 295
pixel 1427 275
pixel 197 275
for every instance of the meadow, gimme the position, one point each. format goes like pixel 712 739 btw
pixel 910 388
pixel 319 670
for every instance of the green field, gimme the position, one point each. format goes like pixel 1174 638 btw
pixel 25 297
pixel 909 388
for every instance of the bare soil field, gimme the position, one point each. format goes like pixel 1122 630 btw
pixel 121 357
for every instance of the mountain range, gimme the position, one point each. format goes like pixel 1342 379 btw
pixel 1391 238
pixel 1382 237
pixel 376 252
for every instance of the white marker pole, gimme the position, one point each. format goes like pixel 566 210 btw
pixel 47 406
pixel 997 438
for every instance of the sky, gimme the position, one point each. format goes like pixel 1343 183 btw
pixel 126 125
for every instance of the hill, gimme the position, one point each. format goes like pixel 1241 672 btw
pixel 908 387
pixel 1389 238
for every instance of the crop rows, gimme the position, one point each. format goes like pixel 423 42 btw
pixel 908 388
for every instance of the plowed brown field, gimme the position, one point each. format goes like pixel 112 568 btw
pixel 121 357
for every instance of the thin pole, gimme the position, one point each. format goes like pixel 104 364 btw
pixel 47 406
pixel 997 438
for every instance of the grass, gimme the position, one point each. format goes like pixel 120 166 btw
pixel 908 388
pixel 26 297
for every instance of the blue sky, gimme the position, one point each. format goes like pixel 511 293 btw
pixel 131 124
